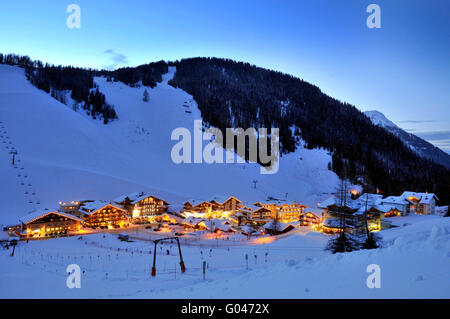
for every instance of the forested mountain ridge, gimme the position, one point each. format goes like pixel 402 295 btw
pixel 237 94
pixel 420 146
pixel 148 74
pixel 62 82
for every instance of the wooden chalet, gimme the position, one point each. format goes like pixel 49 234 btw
pixel 193 223
pixel 421 203
pixel 277 228
pixel 309 219
pixel 231 204
pixel 272 206
pixel 142 206
pixel 217 225
pixel 256 215
pixel 354 214
pixel 290 212
pixel 72 207
pixel 48 223
pixel 105 215
pixel 197 208
pixel 217 207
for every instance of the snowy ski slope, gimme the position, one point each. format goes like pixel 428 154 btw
pixel 66 155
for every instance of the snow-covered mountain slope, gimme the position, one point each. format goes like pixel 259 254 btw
pixel 420 146
pixel 380 119
pixel 67 156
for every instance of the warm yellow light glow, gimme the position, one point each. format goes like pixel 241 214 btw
pixel 263 240
pixel 164 229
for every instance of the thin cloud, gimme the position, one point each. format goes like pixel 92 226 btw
pixel 114 59
pixel 434 135
pixel 417 121
pixel 439 139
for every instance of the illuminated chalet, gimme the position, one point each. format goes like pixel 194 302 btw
pixel 215 207
pixel 142 206
pixel 99 214
pixel 48 223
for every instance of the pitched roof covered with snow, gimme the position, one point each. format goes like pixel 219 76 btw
pixel 215 224
pixel 335 223
pixel 314 210
pixel 43 212
pixel 279 226
pixel 371 201
pixel 328 202
pixel 396 200
pixel 271 202
pixel 135 197
pixel 385 207
pixel 192 221
pixel 424 198
pixel 254 208
pixel 248 229
pixel 220 199
pixel 90 208
pixel 195 201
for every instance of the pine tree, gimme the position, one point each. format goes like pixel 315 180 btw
pixel 344 242
pixel 275 221
pixel 372 240
pixel 145 98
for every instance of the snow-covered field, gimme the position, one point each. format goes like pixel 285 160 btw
pixel 414 264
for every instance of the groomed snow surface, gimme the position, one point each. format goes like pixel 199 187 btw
pixel 414 264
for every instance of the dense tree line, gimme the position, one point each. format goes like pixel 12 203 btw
pixel 236 94
pixel 148 74
pixel 14 59
pixel 56 80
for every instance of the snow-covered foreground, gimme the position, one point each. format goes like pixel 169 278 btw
pixel 414 264
pixel 66 155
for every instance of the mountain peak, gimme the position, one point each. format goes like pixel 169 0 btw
pixel 421 147
pixel 380 119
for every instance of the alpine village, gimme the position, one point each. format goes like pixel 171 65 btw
pixel 222 216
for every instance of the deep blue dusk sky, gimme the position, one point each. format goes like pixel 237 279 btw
pixel 402 69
